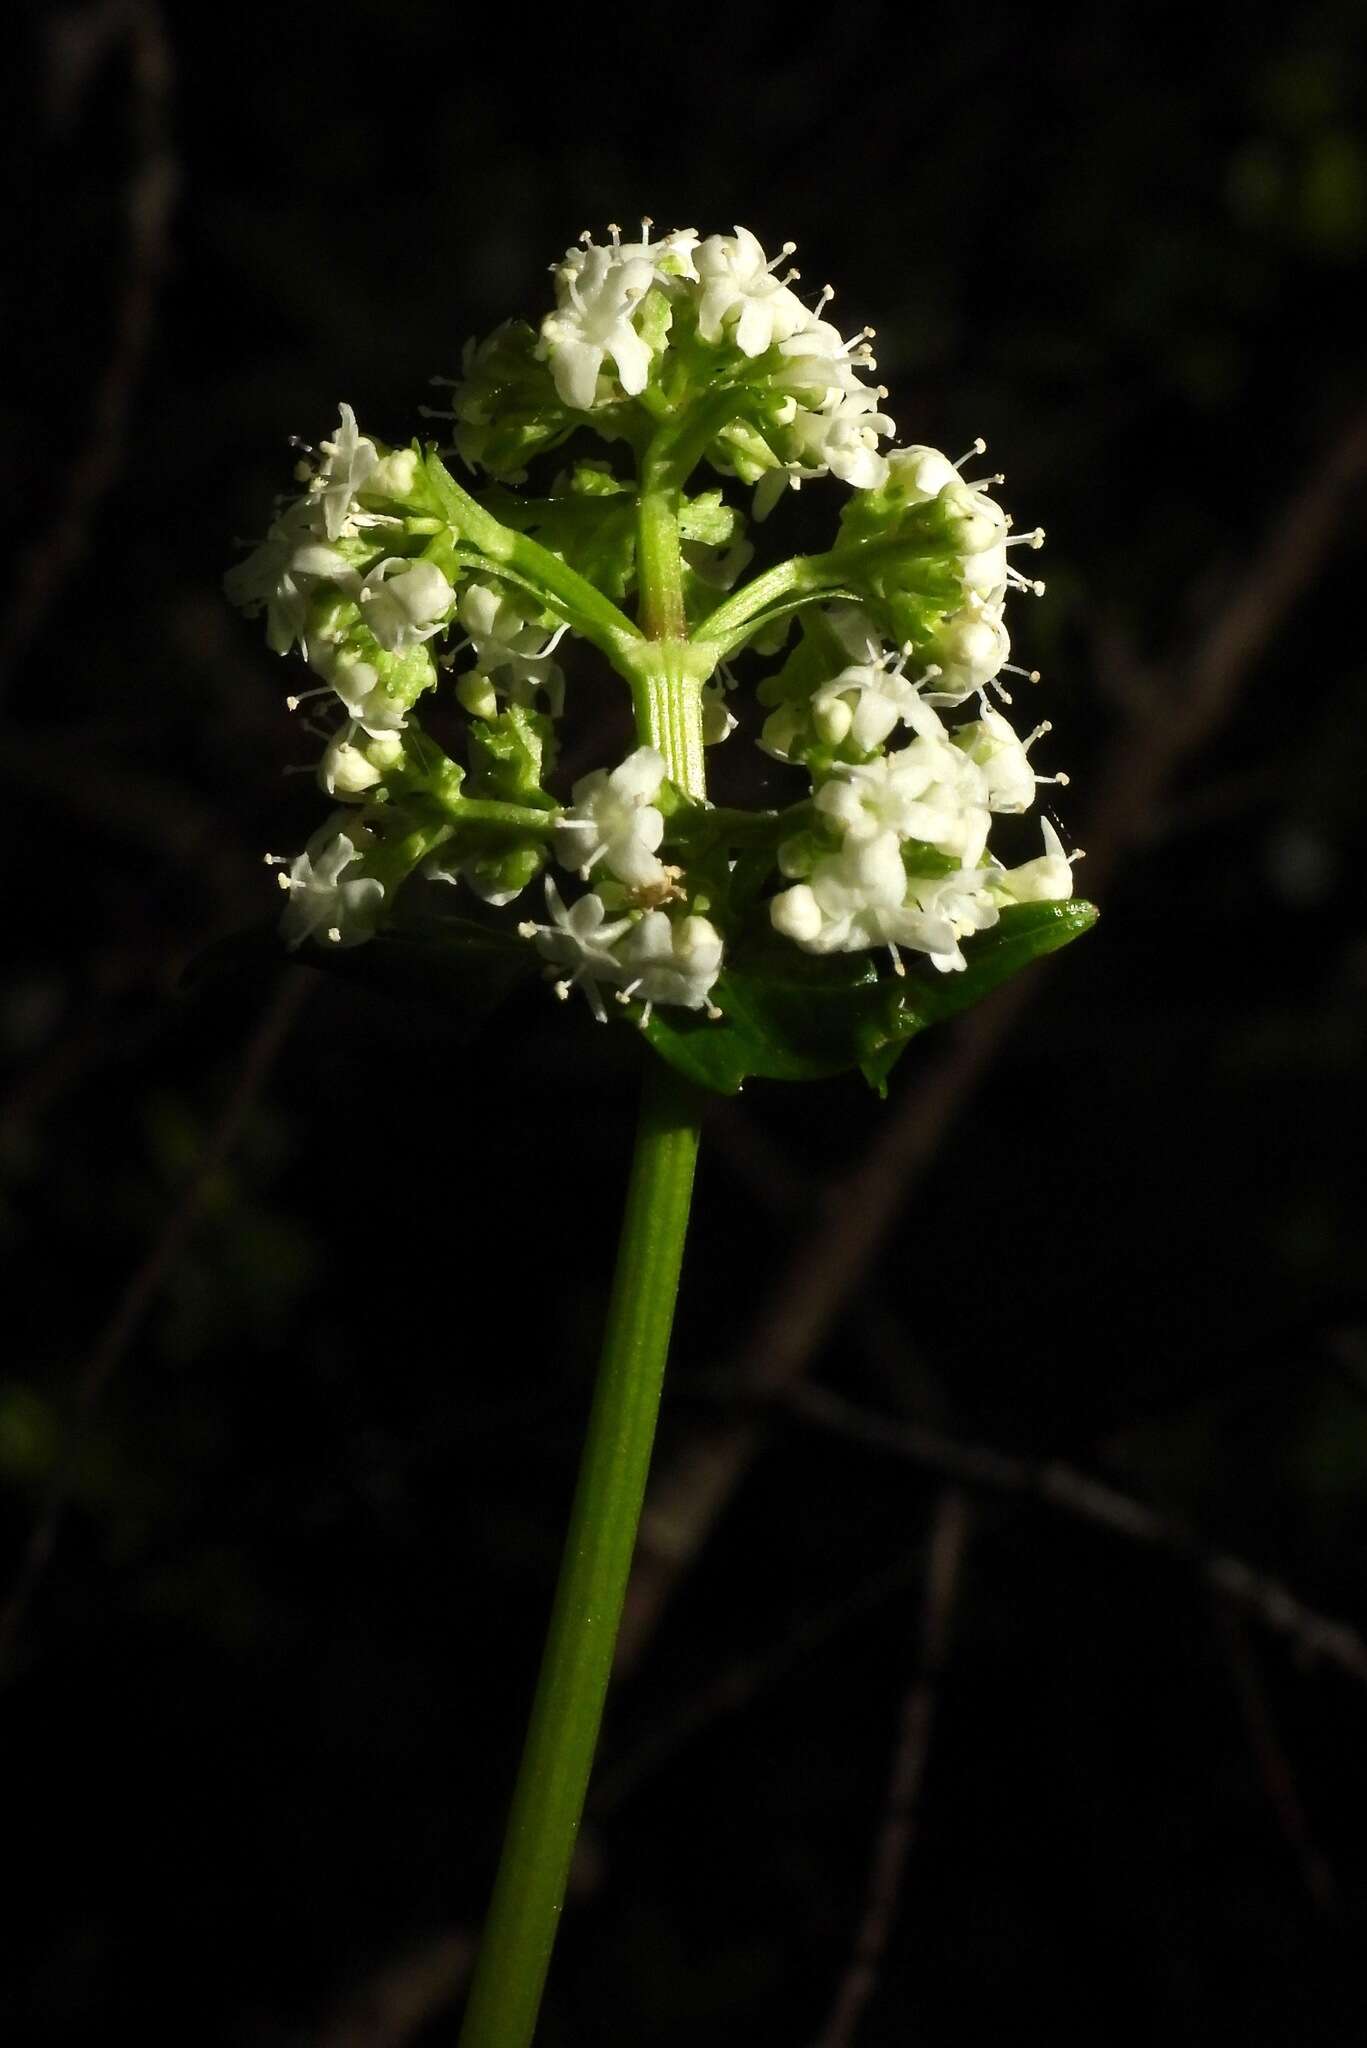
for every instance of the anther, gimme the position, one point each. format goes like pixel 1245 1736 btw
pixel 335 934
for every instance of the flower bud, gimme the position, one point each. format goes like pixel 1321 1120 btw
pixel 394 476
pixel 832 718
pixel 796 913
pixel 477 694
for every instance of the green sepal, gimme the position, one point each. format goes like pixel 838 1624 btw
pixel 794 1016
pixel 508 755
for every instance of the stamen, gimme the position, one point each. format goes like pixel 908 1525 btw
pixel 1010 668
pixel 788 249
pixel 1034 539
pixel 979 448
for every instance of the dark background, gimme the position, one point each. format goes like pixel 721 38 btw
pixel 262 1706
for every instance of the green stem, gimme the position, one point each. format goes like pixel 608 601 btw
pixel 553 1779
pixel 659 558
pixel 577 1662
pixel 798 577
pixel 591 614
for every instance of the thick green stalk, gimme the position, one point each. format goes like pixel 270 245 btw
pixel 577 1663
pixel 563 1733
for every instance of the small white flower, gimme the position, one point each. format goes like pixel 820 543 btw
pixel 969 647
pixel 960 900
pixel 347 770
pixel 598 293
pixel 280 575
pixel 866 702
pixel 320 901
pixel 509 645
pixel 671 257
pixel 976 523
pixel 741 296
pixel 919 474
pixel 671 963
pixel 580 940
pixel 612 818
pixel 357 682
pixel 844 439
pixel 883 795
pixel 350 459
pixel 1004 759
pixel 857 899
pixel 405 602
pixel 819 366
pixel 1046 879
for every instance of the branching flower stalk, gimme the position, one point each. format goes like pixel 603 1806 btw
pixel 792 942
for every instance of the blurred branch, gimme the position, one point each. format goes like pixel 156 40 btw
pixel 1269 1754
pixel 833 1258
pixel 948 1541
pixel 79 43
pixel 1313 1635
pixel 126 1320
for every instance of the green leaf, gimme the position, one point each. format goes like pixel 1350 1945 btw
pixel 793 1016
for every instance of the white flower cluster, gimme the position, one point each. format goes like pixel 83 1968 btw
pixel 899 855
pixel 621 304
pixel 325 584
pixel 650 958
pixel 618 936
pixel 379 562
pixel 512 653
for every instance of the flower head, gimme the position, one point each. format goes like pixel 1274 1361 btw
pixel 345 912
pixel 598 290
pixel 613 819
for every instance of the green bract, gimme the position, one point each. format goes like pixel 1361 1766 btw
pixel 615 458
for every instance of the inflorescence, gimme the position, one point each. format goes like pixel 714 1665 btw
pixel 887 652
